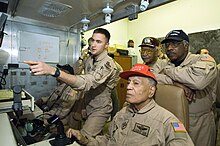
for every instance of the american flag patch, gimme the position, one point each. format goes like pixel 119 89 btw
pixel 207 57
pixel 178 127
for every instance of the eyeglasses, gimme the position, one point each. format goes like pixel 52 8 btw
pixel 147 51
pixel 173 44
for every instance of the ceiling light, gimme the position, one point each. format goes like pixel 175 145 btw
pixel 85 23
pixel 107 11
pixel 108 18
pixel 144 4
pixel 85 27
pixel 85 20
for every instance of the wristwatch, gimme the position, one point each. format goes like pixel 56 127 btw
pixel 57 73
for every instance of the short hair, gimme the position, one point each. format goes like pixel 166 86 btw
pixel 152 83
pixel 103 31
pixel 130 41
pixel 90 39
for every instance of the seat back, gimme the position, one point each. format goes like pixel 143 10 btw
pixel 174 100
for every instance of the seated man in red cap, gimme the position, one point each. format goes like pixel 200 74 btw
pixel 142 122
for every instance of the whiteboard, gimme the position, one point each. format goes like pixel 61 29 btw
pixel 38 47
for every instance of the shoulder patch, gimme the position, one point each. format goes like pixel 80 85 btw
pixel 124 124
pixel 207 57
pixel 108 65
pixel 178 127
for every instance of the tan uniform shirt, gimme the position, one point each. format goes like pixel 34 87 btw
pixel 151 126
pixel 97 83
pixel 157 67
pixel 60 102
pixel 196 72
pixel 79 65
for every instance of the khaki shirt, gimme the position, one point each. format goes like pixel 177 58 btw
pixel 60 102
pixel 98 82
pixel 157 67
pixel 198 72
pixel 151 126
pixel 79 65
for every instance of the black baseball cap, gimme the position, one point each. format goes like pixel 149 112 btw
pixel 176 35
pixel 66 67
pixel 150 42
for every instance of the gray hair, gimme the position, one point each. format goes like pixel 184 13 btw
pixel 185 43
pixel 151 81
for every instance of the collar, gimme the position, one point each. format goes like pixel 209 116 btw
pixel 145 109
pixel 153 63
pixel 101 56
pixel 186 60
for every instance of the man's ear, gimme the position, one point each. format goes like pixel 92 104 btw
pixel 152 91
pixel 186 45
pixel 106 45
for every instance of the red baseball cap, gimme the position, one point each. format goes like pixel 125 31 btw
pixel 138 70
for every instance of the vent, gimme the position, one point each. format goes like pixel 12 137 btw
pixel 53 9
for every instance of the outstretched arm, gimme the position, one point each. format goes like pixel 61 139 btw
pixel 39 68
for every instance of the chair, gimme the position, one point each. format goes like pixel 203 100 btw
pixel 174 100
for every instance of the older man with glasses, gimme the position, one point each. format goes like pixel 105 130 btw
pixel 196 74
pixel 150 47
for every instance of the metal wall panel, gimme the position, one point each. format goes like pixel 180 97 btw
pixel 38 86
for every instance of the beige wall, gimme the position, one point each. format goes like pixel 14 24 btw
pixel 189 15
pixel 118 31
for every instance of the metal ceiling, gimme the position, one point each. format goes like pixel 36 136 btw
pixel 68 13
